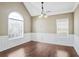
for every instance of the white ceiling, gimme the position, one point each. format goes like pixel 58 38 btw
pixel 51 8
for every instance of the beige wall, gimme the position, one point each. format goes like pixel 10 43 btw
pixel 76 21
pixel 38 25
pixel 48 25
pixel 6 8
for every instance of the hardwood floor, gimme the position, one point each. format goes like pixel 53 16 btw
pixel 38 49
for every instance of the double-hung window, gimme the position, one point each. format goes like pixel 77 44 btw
pixel 62 26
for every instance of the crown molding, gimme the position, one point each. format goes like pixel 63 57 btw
pixel 75 6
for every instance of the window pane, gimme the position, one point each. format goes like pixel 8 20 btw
pixel 15 15
pixel 15 28
pixel 62 25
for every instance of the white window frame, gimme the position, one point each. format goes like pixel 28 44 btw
pixel 17 18
pixel 60 26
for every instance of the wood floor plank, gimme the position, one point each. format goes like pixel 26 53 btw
pixel 38 49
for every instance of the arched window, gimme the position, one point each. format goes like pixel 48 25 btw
pixel 15 25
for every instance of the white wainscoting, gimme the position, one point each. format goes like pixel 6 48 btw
pixel 6 43
pixel 3 42
pixel 66 40
pixel 76 43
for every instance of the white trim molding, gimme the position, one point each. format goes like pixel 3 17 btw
pixel 76 43
pixel 66 40
pixel 75 6
pixel 7 43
